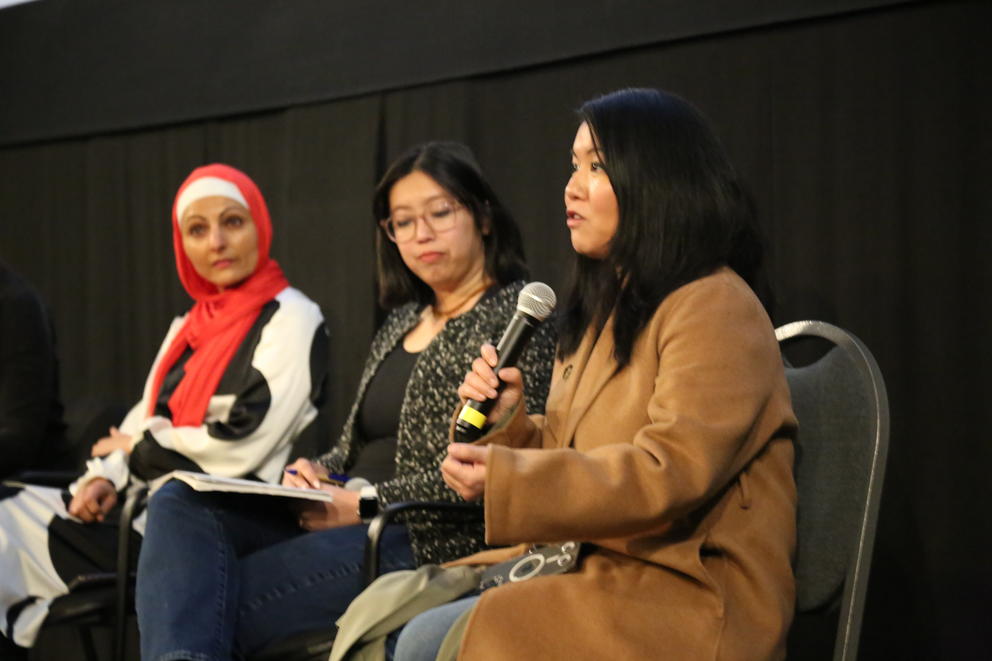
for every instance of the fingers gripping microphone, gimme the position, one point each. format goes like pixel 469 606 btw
pixel 534 305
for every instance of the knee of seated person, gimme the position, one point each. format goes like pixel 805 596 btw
pixel 418 640
pixel 421 638
pixel 173 495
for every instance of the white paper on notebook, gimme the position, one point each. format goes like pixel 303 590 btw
pixel 205 482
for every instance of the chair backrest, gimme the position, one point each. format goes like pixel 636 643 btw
pixel 843 412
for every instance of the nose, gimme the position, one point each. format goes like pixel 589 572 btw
pixel 217 238
pixel 575 186
pixel 424 231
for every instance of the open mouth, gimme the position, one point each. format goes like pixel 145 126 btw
pixel 573 219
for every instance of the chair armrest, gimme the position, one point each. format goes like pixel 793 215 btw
pixel 57 479
pixel 90 581
pixel 469 512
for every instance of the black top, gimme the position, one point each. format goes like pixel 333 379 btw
pixel 379 416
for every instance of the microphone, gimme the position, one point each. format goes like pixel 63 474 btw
pixel 534 305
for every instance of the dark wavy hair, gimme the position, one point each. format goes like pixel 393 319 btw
pixel 683 214
pixel 453 166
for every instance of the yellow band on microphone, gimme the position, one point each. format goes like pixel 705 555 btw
pixel 472 417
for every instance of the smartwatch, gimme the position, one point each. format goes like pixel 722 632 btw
pixel 368 503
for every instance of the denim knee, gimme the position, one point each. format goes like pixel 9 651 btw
pixel 422 636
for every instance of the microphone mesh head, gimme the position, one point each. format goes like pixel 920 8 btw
pixel 537 300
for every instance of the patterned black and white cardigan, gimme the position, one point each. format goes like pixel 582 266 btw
pixel 428 405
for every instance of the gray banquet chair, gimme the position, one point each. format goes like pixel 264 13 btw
pixel 843 412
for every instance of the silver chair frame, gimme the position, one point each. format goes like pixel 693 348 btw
pixel 856 582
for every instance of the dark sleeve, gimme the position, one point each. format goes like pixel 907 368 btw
pixel 149 460
pixel 28 380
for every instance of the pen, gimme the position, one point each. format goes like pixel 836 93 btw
pixel 333 478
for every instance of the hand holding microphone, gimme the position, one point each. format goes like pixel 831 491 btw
pixel 492 383
pixel 483 385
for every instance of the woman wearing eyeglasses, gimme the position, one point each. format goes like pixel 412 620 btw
pixel 450 265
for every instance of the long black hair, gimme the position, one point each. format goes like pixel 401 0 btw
pixel 453 166
pixel 683 214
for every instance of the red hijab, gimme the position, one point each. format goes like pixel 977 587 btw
pixel 219 320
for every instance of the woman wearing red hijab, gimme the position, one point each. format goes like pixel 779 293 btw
pixel 235 381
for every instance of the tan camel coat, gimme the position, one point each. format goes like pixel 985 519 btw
pixel 677 470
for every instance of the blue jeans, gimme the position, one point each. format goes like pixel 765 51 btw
pixel 422 636
pixel 224 575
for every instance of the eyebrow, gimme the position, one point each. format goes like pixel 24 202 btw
pixel 591 151
pixel 439 196
pixel 235 207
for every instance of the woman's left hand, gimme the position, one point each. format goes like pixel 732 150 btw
pixel 114 441
pixel 464 469
pixel 319 515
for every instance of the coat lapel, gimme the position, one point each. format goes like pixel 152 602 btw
pixel 587 372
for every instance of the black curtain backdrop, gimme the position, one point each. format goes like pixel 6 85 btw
pixel 864 137
pixel 122 64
